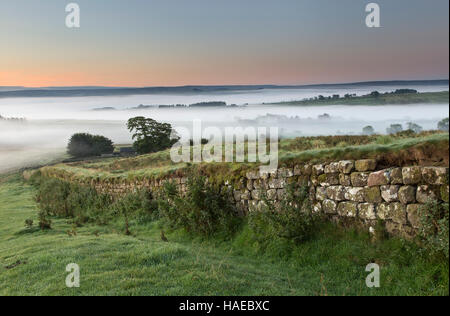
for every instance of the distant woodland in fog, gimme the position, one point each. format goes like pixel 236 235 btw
pixel 13 119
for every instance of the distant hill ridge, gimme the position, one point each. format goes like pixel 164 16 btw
pixel 21 92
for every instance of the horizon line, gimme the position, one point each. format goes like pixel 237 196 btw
pixel 230 85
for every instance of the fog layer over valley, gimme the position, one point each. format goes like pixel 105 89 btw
pixel 51 121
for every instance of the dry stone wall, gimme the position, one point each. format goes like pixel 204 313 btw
pixel 342 190
pixel 357 190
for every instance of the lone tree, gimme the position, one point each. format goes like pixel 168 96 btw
pixel 368 130
pixel 394 129
pixel 86 145
pixel 375 94
pixel 151 136
pixel 416 128
pixel 443 125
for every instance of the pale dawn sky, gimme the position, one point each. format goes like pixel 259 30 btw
pixel 214 42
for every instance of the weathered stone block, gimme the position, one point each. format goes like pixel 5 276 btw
pixel 426 193
pixel 317 170
pixel 435 175
pixel 329 207
pixel 407 194
pixel 307 169
pixel 392 211
pixel 277 183
pixel 336 193
pixel 260 184
pixel 250 185
pixel 344 179
pixel 328 179
pixel 252 175
pixel 413 211
pixel 355 194
pixel 367 211
pixel 365 165
pixel 348 209
pixel 359 179
pixel 382 177
pixel 373 195
pixel 285 172
pixel 246 195
pixel 281 194
pixel 272 194
pixel 298 170
pixel 253 206
pixel 256 194
pixel 332 167
pixel 389 193
pixel 317 207
pixel 321 193
pixel 412 175
pixel 346 166
pixel 268 174
pixel 396 176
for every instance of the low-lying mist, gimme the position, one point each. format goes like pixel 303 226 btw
pixel 50 122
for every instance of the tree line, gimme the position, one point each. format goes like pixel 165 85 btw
pixel 148 135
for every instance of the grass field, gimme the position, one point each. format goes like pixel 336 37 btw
pixel 383 99
pixel 430 148
pixel 32 262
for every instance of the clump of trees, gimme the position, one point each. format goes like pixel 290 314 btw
pixel 86 145
pixel 405 91
pixel 394 129
pixel 151 136
pixel 208 104
pixel 375 94
pixel 368 130
pixel 443 125
pixel 13 119
pixel 416 128
pixel 398 128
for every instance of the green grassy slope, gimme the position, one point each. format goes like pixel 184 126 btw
pixel 383 99
pixel 399 149
pixel 115 264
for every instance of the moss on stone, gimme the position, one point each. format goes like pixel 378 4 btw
pixel 373 195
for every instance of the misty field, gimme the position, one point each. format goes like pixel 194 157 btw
pixel 13 158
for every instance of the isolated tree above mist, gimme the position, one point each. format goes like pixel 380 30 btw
pixel 416 128
pixel 394 129
pixel 443 125
pixel 151 136
pixel 86 145
pixel 368 130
